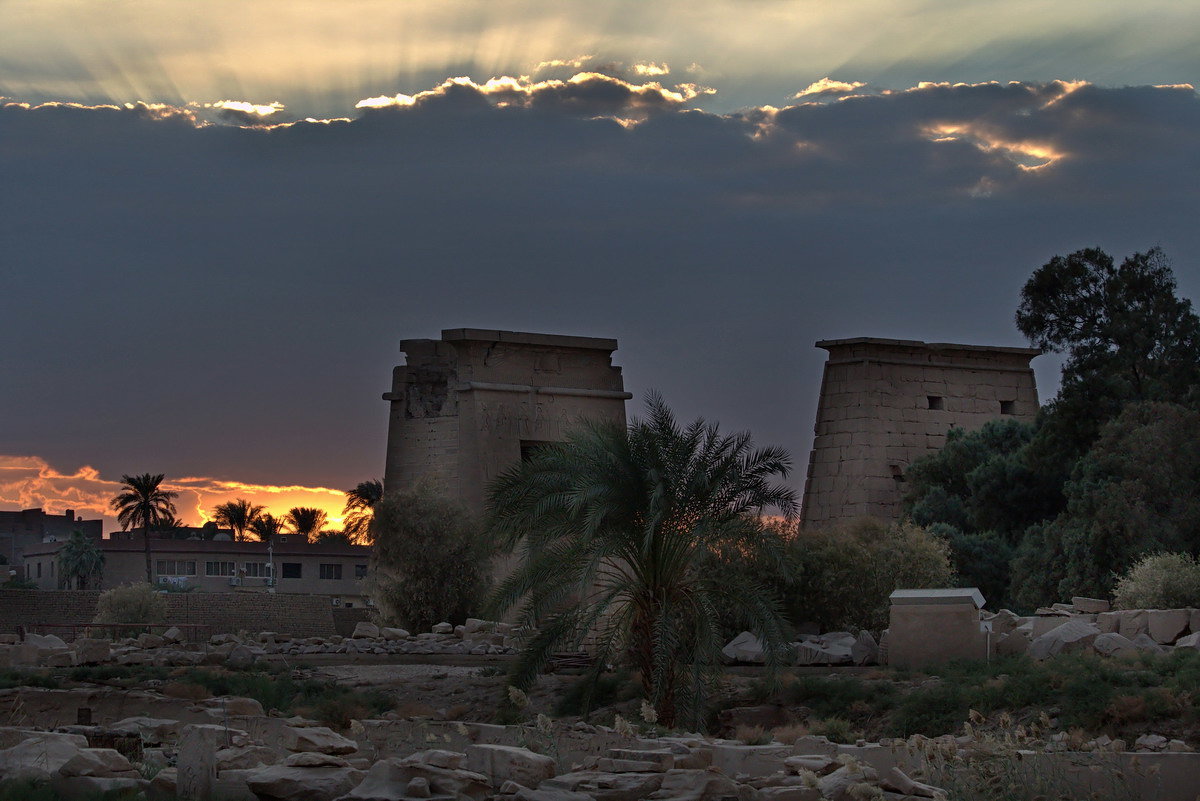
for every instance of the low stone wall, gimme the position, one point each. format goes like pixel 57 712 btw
pixel 299 615
pixel 344 620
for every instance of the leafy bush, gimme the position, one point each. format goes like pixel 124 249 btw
pixel 1161 581
pixel 430 562
pixel 131 603
pixel 846 572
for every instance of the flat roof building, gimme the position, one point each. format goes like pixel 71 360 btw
pixel 26 527
pixel 292 566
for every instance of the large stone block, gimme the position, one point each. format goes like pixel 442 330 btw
pixel 1165 625
pixel 503 763
pixel 1074 635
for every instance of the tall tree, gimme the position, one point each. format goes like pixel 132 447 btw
pixel 237 515
pixel 79 561
pixel 142 503
pixel 617 527
pixel 1126 336
pixel 359 510
pixel 306 521
pixel 266 527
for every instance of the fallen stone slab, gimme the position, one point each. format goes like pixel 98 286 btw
pixel 316 738
pixel 1074 635
pixel 1166 625
pixel 504 763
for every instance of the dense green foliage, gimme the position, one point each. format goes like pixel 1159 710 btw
pixel 431 562
pixel 1037 513
pixel 840 577
pixel 618 528
pixel 1161 581
pixel 80 561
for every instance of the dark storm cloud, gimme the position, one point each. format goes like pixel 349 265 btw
pixel 188 297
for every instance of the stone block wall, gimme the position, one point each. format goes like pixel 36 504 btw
pixel 885 403
pixel 298 615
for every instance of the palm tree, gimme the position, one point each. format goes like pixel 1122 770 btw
pixel 142 502
pixel 237 515
pixel 79 560
pixel 266 527
pixel 620 528
pixel 306 521
pixel 359 510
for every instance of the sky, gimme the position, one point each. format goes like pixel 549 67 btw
pixel 218 220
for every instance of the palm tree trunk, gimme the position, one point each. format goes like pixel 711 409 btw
pixel 146 532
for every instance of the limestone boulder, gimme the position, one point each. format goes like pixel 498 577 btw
pixel 610 786
pixel 297 783
pixel 245 757
pixel 1074 635
pixel 236 705
pixel 1109 623
pixel 365 630
pixel 316 738
pixel 1113 644
pixel 40 756
pixel 502 763
pixel 86 788
pixel 153 731
pixel 864 651
pixel 1004 621
pixel 1014 642
pixel 1133 623
pixel 150 641
pixel 701 785
pixel 395 778
pixel 240 656
pixel 838 785
pixel 1189 641
pixel 1166 625
pixel 442 628
pixel 45 642
pixel 745 647
pixel 173 635
pixel 99 762
pixel 90 651
pixel 1092 605
pixel 1144 642
pixel 394 634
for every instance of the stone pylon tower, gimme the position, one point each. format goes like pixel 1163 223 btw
pixel 474 403
pixel 887 402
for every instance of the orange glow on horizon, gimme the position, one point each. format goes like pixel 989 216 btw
pixel 28 482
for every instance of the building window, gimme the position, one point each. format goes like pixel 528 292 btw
pixel 219 569
pixel 332 572
pixel 936 402
pixel 176 567
pixel 39 569
pixel 292 570
pixel 360 571
pixel 258 570
pixel 1008 407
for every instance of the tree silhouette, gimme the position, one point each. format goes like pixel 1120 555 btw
pixel 79 561
pixel 360 509
pixel 143 503
pixel 306 521
pixel 237 515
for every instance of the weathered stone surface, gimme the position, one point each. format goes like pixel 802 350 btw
pixel 287 783
pixel 1189 641
pixel 244 757
pixel 502 763
pixel 153 730
pixel 1074 635
pixel 240 656
pixel 898 781
pixel 392 634
pixel 610 786
pixel 316 738
pixel 1093 605
pixel 1144 642
pixel 91 652
pixel 1165 625
pixel 1004 621
pixel 442 628
pixel 1133 623
pixel 196 763
pixel 39 756
pixel 1109 622
pixel 363 629
pixel 236 706
pixel 865 650
pixel 45 642
pixel 745 647
pixel 101 762
pixel 700 785
pixel 313 759
pixel 173 634
pixel 819 764
pixel 1112 644
pixel 836 785
pixel 90 787
pixel 1014 642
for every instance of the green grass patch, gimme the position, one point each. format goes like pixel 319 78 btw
pixel 21 678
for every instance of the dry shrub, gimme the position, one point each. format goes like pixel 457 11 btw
pixel 414 709
pixel 752 735
pixel 789 733
pixel 458 712
pixel 1160 581
pixel 131 603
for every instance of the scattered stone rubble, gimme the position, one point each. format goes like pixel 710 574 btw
pixel 834 648
pixel 1089 624
pixel 475 637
